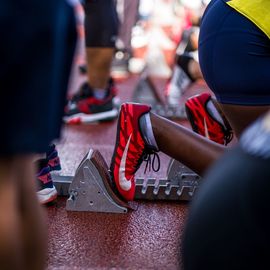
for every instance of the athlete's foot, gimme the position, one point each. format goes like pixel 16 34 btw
pixel 84 107
pixel 207 120
pixel 46 192
pixel 130 149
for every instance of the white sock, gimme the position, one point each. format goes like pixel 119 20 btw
pixel 214 112
pixel 147 131
pixel 99 93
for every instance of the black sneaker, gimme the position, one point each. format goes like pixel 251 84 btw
pixel 83 107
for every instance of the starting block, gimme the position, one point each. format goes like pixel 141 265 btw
pixel 146 92
pixel 181 184
pixel 90 189
pixel 170 111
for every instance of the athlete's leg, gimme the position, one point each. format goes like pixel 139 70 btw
pixel 95 99
pixel 180 143
pixel 32 218
pixel 22 224
pixel 11 239
pixel 241 116
pixel 141 134
pixel 195 70
pixel 99 66
pixel 101 27
pixel 231 83
pixel 227 227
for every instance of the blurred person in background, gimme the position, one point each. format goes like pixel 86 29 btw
pixel 94 101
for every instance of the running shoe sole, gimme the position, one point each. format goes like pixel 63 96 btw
pixel 90 118
pixel 47 195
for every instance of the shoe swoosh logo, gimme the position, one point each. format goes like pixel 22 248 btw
pixel 125 183
pixel 206 129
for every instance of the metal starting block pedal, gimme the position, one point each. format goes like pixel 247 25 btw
pixel 90 189
pixel 181 184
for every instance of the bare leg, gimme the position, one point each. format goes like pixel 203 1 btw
pixel 240 117
pixel 101 27
pixel 33 223
pixel 22 225
pixel 193 150
pixel 182 144
pixel 195 70
pixel 99 66
pixel 10 243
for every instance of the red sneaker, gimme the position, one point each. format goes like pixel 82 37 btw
pixel 210 123
pixel 130 149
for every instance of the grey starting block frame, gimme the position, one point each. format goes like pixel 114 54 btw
pixel 90 188
pixel 181 184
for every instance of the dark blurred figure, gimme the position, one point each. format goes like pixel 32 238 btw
pixel 228 225
pixel 38 40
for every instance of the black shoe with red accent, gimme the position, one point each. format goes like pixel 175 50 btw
pixel 130 150
pixel 83 107
pixel 207 120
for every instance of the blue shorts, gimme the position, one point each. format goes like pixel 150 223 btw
pixel 234 56
pixel 36 54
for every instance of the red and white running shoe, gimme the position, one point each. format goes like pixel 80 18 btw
pixel 83 107
pixel 130 149
pixel 207 120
